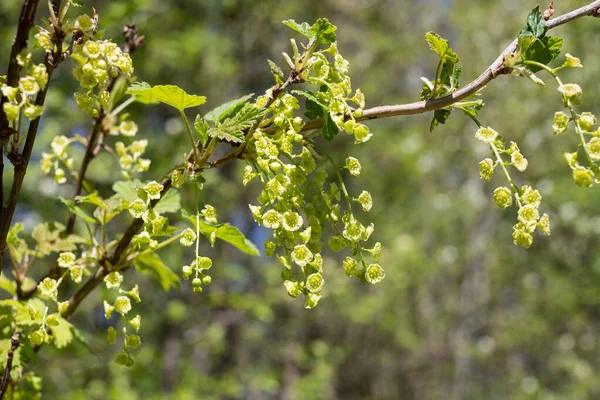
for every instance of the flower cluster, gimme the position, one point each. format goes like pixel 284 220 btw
pixel 97 62
pixel 59 159
pixel 21 99
pixel 130 157
pixel 122 305
pixel 297 202
pixel 586 171
pixel 526 198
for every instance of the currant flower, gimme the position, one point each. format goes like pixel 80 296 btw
pixel 572 62
pixel 209 213
pixel 583 176
pixel 528 215
pixel 350 265
pixel 301 255
pixel 291 221
pixel 202 263
pixel 122 305
pixel 177 179
pixel 522 237
pixel 153 189
pixel 376 251
pixel 59 144
pixel 503 197
pixel 593 148
pixel 312 299
pixel 571 92
pixel 49 287
pixel 44 40
pixel 315 283
pixel 519 161
pixel 544 224
pixel 188 237
pixel 354 231
pixel 586 121
pixel 374 273
pixel 271 219
pixel 113 280
pixel 128 128
pixel 353 165
pixel 531 196
pixel 111 335
pixel 108 310
pixel 486 135
pixel 365 200
pixel 66 259
pixel 136 322
pixel 29 86
pixel 561 121
pixel 137 208
pixel 133 341
pixel 486 169
pixel 76 273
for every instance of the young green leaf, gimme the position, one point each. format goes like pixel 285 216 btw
pixel 222 111
pixel 171 95
pixel 92 198
pixel 324 31
pixel 77 211
pixel 227 233
pixel 439 117
pixel 441 47
pixel 169 203
pixel 62 333
pixel 303 29
pixel 330 129
pixel 232 129
pixel 202 129
pixel 151 262
pixel 543 50
pixel 535 25
pixel 277 72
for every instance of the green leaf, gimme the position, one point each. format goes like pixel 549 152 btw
pixel 232 129
pixel 78 211
pixel 127 189
pixel 543 51
pixel 222 111
pixel 227 233
pixel 92 198
pixel 8 285
pixel 171 95
pixel 202 129
pixel 169 203
pixel 330 129
pixel 313 109
pixel 62 333
pixel 303 28
pixel 310 96
pixel 151 262
pixel 439 117
pixel 324 31
pixel 441 46
pixel 535 25
pixel 277 72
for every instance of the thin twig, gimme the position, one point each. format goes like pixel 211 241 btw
pixel 14 344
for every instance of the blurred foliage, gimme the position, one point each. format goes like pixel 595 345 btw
pixel 462 314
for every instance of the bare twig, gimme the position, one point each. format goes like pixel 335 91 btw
pixel 14 344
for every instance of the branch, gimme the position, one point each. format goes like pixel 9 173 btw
pixel 493 71
pixel 14 344
pixel 377 112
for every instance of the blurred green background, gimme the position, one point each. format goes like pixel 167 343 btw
pixel 462 314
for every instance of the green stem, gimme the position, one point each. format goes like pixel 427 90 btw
pixel 191 136
pixel 160 246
